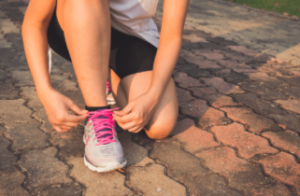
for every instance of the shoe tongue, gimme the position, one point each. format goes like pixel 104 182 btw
pixel 104 129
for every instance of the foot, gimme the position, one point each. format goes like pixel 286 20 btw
pixel 103 151
pixel 109 97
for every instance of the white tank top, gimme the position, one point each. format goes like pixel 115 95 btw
pixel 133 17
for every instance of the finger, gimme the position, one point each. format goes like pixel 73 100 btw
pixel 126 118
pixel 72 106
pixel 60 129
pixel 69 124
pixel 130 125
pixel 135 129
pixel 74 118
pixel 125 110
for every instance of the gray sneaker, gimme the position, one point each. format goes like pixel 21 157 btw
pixel 103 151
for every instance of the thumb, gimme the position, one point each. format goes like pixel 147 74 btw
pixel 126 110
pixel 72 106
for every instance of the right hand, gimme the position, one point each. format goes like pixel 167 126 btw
pixel 57 107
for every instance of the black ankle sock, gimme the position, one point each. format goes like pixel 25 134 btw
pixel 91 109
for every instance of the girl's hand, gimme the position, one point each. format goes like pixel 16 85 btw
pixel 57 107
pixel 136 115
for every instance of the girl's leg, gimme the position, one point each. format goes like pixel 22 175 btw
pixel 165 115
pixel 86 26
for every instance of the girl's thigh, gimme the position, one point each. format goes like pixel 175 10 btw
pixel 165 115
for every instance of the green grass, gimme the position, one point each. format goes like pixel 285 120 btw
pixel 290 6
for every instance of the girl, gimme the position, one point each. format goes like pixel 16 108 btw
pixel 108 36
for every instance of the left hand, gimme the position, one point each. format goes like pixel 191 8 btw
pixel 136 115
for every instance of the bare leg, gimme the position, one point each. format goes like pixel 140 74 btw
pixel 165 115
pixel 86 25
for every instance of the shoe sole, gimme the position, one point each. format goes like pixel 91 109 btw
pixel 109 167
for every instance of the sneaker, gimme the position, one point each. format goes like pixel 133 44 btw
pixel 109 97
pixel 103 151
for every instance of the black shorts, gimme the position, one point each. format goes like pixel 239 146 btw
pixel 133 54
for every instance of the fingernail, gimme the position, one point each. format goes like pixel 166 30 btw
pixel 85 111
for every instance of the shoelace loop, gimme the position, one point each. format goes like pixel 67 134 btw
pixel 103 124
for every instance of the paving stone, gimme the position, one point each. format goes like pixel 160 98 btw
pixel 237 57
pixel 23 78
pixel 192 138
pixel 14 111
pixel 8 91
pixel 59 82
pixel 283 168
pixel 241 174
pixel 291 121
pixel 42 117
pixel 247 72
pixel 243 50
pixel 230 76
pixel 258 105
pixel 208 93
pixel 211 56
pixel 27 136
pixel 236 90
pixel 229 63
pixel 213 117
pixel 192 70
pixel 11 184
pixel 7 159
pixel 286 140
pixel 142 139
pixel 292 105
pixel 277 189
pixel 268 81
pixel 184 81
pixel 262 91
pixel 203 64
pixel 30 94
pixel 151 180
pixel 224 101
pixel 291 91
pixel 183 95
pixel 109 183
pixel 196 108
pixel 248 144
pixel 70 190
pixel 255 123
pixel 218 83
pixel 291 80
pixel 44 168
pixel 133 152
pixel 69 143
pixel 188 170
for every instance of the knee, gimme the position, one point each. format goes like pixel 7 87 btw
pixel 159 132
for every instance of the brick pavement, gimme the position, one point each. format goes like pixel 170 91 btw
pixel 237 134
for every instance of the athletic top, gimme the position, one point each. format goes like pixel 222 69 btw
pixel 133 17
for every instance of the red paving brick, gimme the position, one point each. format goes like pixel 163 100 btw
pixel 184 81
pixel 219 83
pixel 196 108
pixel 275 190
pixel 285 140
pixel 224 101
pixel 248 144
pixel 292 105
pixel 241 174
pixel 193 139
pixel 231 64
pixel 213 117
pixel 284 168
pixel 256 123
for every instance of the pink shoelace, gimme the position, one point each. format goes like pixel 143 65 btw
pixel 103 124
pixel 108 88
